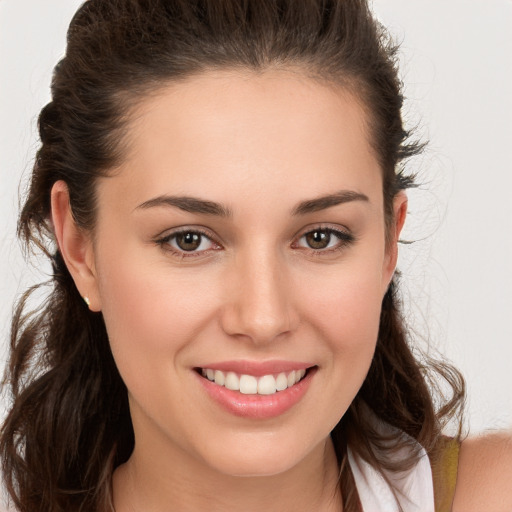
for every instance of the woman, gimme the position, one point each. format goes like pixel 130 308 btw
pixel 217 187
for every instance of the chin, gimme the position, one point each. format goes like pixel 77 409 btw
pixel 259 467
pixel 261 458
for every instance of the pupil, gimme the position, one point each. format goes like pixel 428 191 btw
pixel 188 241
pixel 318 239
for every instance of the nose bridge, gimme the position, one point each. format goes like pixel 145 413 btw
pixel 259 306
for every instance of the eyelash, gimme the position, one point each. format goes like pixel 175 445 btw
pixel 344 240
pixel 164 242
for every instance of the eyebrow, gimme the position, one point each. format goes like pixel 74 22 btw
pixel 205 207
pixel 324 202
pixel 188 204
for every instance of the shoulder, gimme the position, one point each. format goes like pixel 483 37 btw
pixel 484 474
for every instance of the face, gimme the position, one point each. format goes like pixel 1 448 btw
pixel 240 262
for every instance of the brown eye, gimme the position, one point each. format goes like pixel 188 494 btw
pixel 192 242
pixel 318 239
pixel 325 239
pixel 188 241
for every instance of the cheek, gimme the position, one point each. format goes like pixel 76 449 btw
pixel 151 313
pixel 346 304
pixel 344 307
pixel 353 331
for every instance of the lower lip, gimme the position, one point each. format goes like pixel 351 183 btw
pixel 258 406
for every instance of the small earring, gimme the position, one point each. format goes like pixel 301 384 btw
pixel 87 301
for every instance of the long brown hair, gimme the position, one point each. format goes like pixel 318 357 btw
pixel 64 435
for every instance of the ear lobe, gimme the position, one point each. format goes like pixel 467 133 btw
pixel 75 245
pixel 399 216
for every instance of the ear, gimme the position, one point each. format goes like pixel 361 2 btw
pixel 399 215
pixel 75 245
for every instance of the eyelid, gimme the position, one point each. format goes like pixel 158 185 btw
pixel 164 238
pixel 344 235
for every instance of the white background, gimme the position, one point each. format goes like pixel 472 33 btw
pixel 457 67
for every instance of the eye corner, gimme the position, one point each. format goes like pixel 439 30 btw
pixel 329 239
pixel 193 237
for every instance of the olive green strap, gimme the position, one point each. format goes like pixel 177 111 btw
pixel 445 474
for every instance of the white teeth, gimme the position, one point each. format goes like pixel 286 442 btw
pixel 219 378
pixel 266 385
pixel 232 381
pixel 281 382
pixel 250 385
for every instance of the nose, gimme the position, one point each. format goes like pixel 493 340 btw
pixel 259 303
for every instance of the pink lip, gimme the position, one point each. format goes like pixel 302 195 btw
pixel 257 406
pixel 258 369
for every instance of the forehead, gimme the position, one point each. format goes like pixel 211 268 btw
pixel 247 133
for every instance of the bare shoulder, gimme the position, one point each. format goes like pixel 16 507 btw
pixel 485 474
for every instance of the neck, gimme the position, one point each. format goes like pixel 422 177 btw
pixel 161 484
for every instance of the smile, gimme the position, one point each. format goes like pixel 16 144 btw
pixel 256 390
pixel 252 385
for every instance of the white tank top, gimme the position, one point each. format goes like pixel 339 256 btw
pixel 414 488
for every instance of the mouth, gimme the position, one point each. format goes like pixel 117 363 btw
pixel 256 390
pixel 247 384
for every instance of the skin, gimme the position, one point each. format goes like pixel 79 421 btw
pixel 254 290
pixel 485 473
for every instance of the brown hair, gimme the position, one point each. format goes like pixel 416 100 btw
pixel 64 435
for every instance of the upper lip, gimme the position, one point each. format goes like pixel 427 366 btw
pixel 257 368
